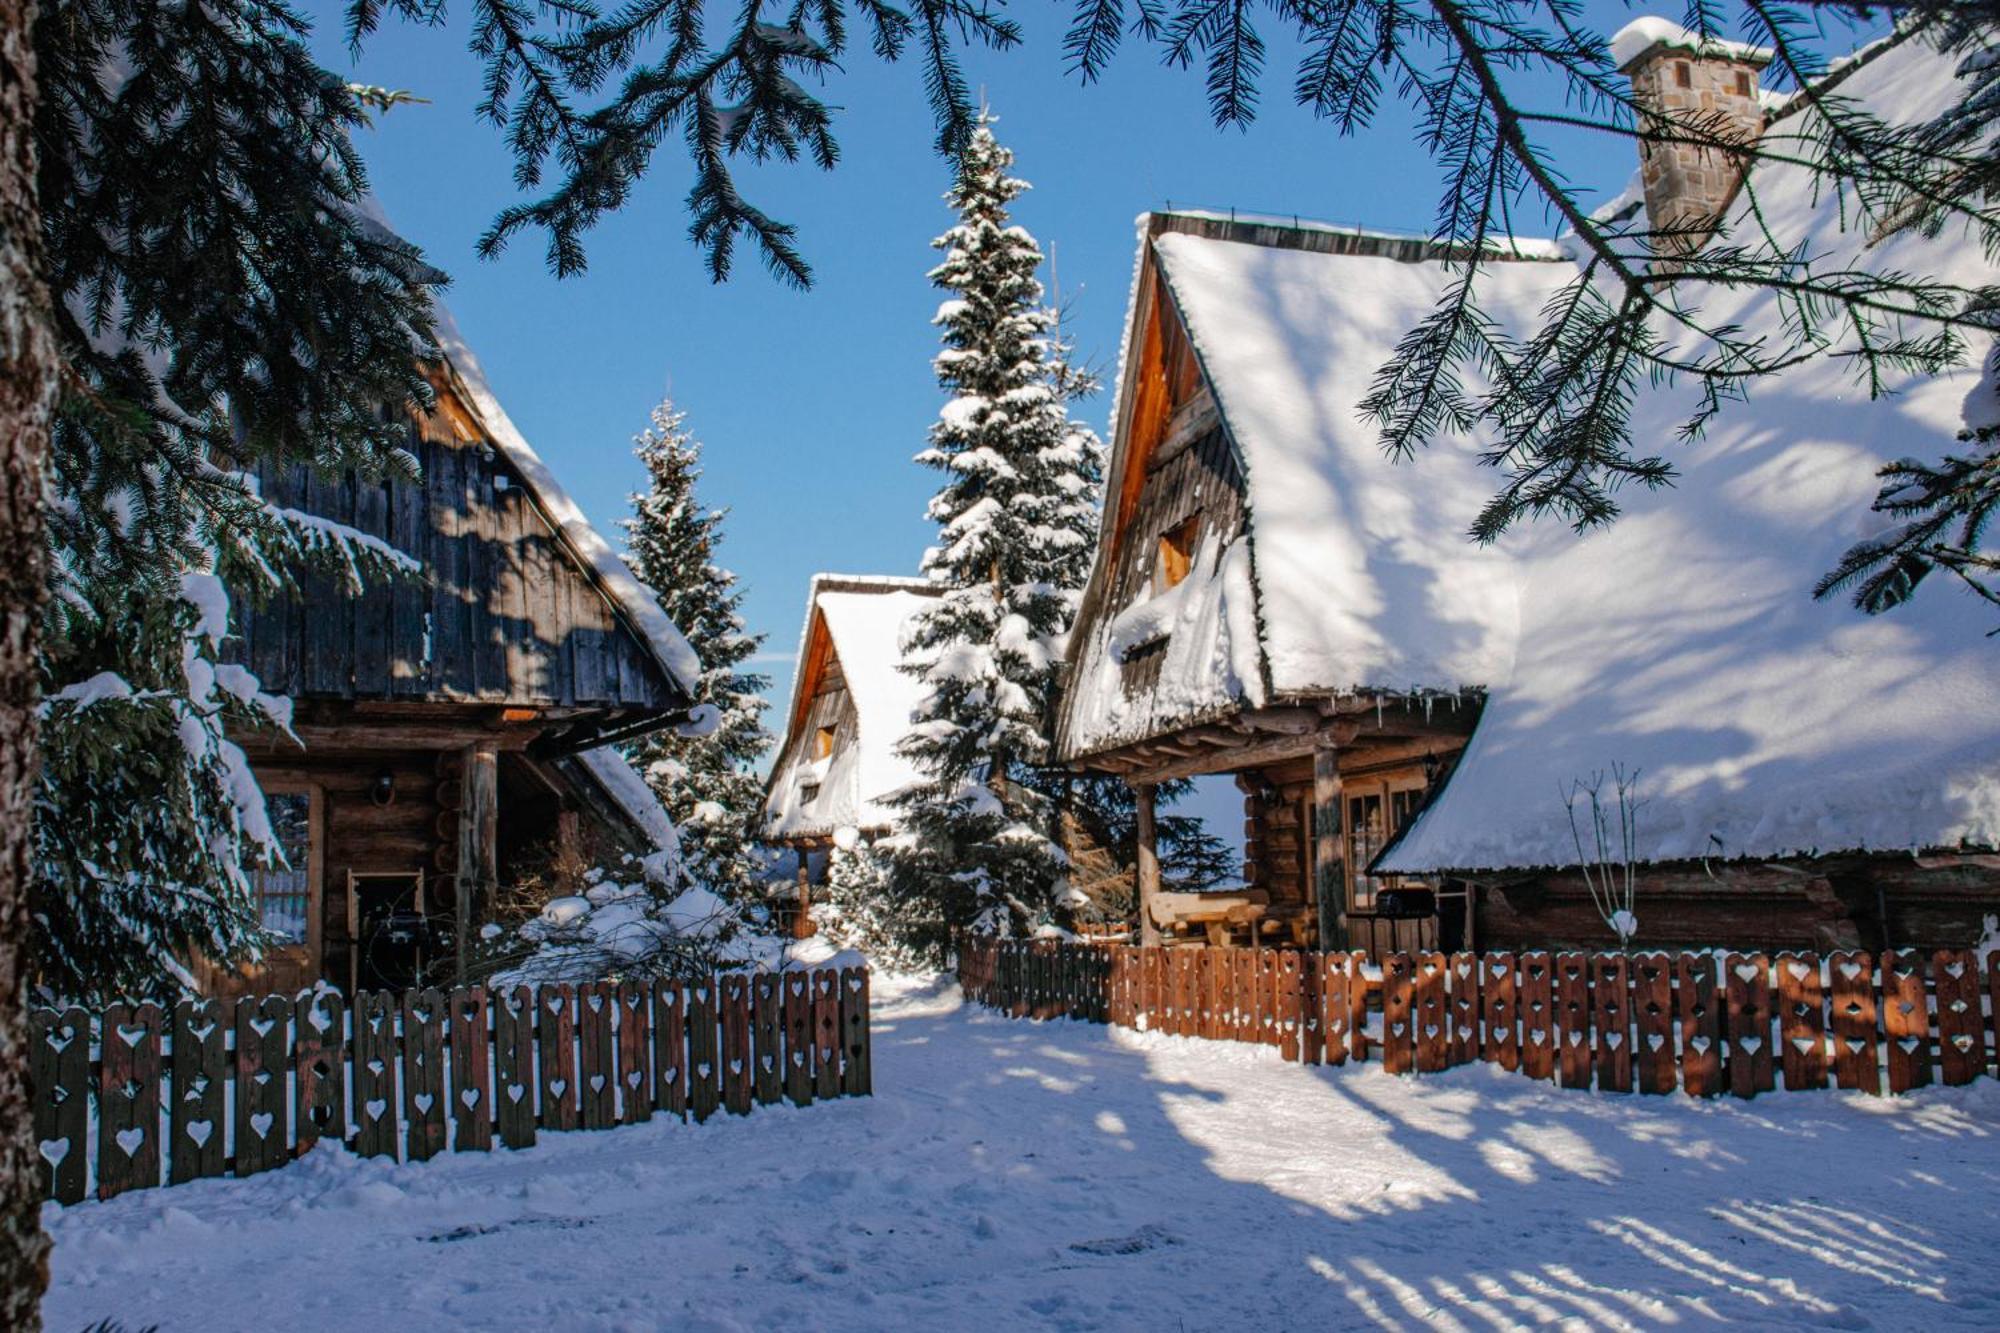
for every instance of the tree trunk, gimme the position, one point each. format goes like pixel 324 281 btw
pixel 27 396
pixel 1148 873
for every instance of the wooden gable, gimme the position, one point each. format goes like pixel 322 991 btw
pixel 503 612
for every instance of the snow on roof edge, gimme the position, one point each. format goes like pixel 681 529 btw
pixel 612 771
pixel 1646 32
pixel 661 636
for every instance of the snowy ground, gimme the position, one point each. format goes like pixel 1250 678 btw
pixel 1065 1176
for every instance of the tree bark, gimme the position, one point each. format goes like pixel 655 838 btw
pixel 27 398
pixel 478 846
pixel 1145 833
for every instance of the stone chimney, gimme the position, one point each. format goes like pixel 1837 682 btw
pixel 1707 86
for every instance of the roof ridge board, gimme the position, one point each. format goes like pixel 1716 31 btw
pixel 1300 233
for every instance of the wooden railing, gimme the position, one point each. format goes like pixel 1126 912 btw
pixel 246 1085
pixel 1704 1023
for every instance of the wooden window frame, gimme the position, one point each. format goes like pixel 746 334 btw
pixel 823 738
pixel 1385 788
pixel 315 795
pixel 1177 546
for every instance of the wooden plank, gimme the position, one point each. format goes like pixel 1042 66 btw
pixel 263 1051
pixel 423 1073
pixel 1801 1020
pixel 798 1012
pixel 555 1049
pixel 471 1071
pixel 1906 1023
pixel 319 1070
pixel 1537 990
pixel 407 596
pixel 670 1073
pixel 597 1055
pixel 196 1142
pixel 1290 1006
pixel 1312 1010
pixel 1204 992
pixel 128 1099
pixel 1121 1006
pixel 1993 1006
pixel 1499 1038
pixel 372 607
pixel 857 1076
pixel 826 1033
pixel 1335 990
pixel 1747 988
pixel 736 1055
pixel 514 1066
pixel 1572 986
pixel 1856 1065
pixel 1250 1005
pixel 1961 1038
pixel 1429 1020
pixel 1653 1047
pixel 1360 990
pixel 59 1081
pixel 1399 1054
pixel 1462 1011
pixel 704 1027
pixel 1701 1024
pixel 1267 996
pixel 376 1120
pixel 1611 1010
pixel 635 1047
pixel 1149 989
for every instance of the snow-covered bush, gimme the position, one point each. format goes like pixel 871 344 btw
pixel 644 920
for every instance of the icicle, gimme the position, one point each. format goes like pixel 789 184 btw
pixel 1378 710
pixel 1429 699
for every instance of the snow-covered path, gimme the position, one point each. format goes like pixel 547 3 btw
pixel 1059 1175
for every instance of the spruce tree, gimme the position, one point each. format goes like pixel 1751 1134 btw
pixel 976 842
pixel 705 781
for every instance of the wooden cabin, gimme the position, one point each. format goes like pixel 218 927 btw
pixel 451 728
pixel 838 765
pixel 1276 599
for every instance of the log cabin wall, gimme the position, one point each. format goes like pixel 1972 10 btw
pixel 500 613
pixel 1834 903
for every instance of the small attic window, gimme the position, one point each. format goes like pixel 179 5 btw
pixel 1683 78
pixel 1742 84
pixel 1177 551
pixel 808 793
pixel 822 742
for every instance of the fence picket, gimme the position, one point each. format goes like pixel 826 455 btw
pixel 1573 1019
pixel 766 1038
pixel 1335 991
pixel 1537 981
pixel 1653 1022
pixel 555 1051
pixel 1290 1006
pixel 826 1035
pixel 737 1071
pixel 1398 1011
pixel 1747 986
pixel 319 1064
pixel 670 1050
pixel 1611 1021
pixel 514 1066
pixel 799 1030
pixel 1855 1064
pixel 423 1073
pixel 376 1120
pixel 635 1045
pixel 1427 1019
pixel 1801 1020
pixel 200 1061
pixel 1961 1040
pixel 59 1076
pixel 1462 981
pixel 471 1071
pixel 263 1044
pixel 1500 1042
pixel 857 1075
pixel 597 1056
pixel 1701 1028
pixel 128 1099
pixel 704 1048
pixel 1906 1021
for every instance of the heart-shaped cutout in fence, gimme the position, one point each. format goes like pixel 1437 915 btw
pixel 260 1124
pixel 515 1092
pixel 199 1131
pixel 131 1036
pixel 376 1108
pixel 1798 970
pixel 558 1086
pixel 54 1150
pixel 468 1098
pixel 130 1141
pixel 1850 970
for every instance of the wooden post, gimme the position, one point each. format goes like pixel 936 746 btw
pixel 802 922
pixel 1149 861
pixel 1329 877
pixel 478 841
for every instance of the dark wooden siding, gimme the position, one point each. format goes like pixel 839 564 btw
pixel 501 612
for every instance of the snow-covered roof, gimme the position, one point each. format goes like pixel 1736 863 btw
pixel 864 618
pixel 634 599
pixel 1683 640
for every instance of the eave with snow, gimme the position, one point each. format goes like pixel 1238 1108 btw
pixel 838 766
pixel 452 730
pixel 1275 599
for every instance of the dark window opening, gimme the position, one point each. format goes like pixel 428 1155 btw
pixel 1682 77
pixel 1177 548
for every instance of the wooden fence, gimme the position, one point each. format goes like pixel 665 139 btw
pixel 214 1087
pixel 1703 1023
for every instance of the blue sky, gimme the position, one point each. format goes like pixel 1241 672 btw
pixel 810 404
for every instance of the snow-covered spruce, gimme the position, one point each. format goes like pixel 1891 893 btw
pixel 702 774
pixel 1015 517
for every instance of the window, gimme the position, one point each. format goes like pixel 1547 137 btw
pixel 1177 549
pixel 822 742
pixel 285 893
pixel 808 793
pixel 1373 817
pixel 1742 84
pixel 1682 78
